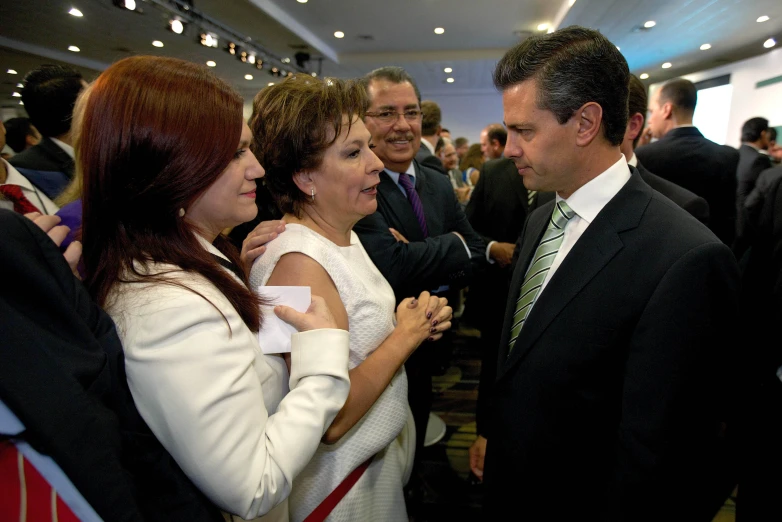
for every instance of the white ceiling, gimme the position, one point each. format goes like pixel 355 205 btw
pixel 398 32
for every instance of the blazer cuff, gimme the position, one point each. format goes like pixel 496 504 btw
pixel 319 352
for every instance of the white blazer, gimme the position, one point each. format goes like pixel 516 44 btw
pixel 215 402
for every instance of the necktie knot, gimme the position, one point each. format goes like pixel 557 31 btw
pixel 561 215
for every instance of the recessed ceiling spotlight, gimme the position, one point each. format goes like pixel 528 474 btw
pixel 571 2
pixel 705 47
pixel 302 1
pixel 314 74
pixel 550 30
pixel 211 63
pixel 20 85
pixel 439 30
pixel 644 76
pixel 650 24
pixel 176 26
pixel 75 12
pixel 763 18
pixel 667 65
pixel 130 5
pixel 16 95
pixel 248 76
pixel 73 49
pixel 286 60
pixel 450 80
pixel 447 70
pixel 21 102
pixel 157 43
pixel 768 44
pixel 542 27
pixel 11 71
pixel 339 34
pixel 209 40
pixel 270 84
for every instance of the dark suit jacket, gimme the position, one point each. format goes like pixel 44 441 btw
pixel 695 205
pixel 497 210
pixel 424 263
pixel 426 158
pixel 613 394
pixel 62 374
pixel 47 166
pixel 751 164
pixel 686 158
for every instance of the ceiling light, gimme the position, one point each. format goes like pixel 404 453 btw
pixel 20 85
pixel 550 30
pixel 644 76
pixel 542 27
pixel 439 30
pixel 11 71
pixel 75 12
pixel 16 95
pixel 209 40
pixel 650 24
pixel 667 65
pixel 314 74
pixel 449 80
pixel 768 44
pixel 73 49
pixel 251 58
pixel 211 63
pixel 339 34
pixel 130 5
pixel 176 26
pixel 270 84
pixel 286 60
pixel 157 43
pixel 617 48
pixel 231 48
pixel 259 64
pixel 571 2
pixel 705 47
pixel 447 70
pixel 248 76
pixel 21 102
pixel 302 1
pixel 763 18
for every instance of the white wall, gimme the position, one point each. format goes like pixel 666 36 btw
pixel 467 114
pixel 747 101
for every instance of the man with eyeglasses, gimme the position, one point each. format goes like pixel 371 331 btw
pixel 419 238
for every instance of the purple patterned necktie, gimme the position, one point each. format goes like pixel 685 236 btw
pixel 415 201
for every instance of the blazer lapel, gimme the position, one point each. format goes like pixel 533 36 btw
pixel 591 253
pixel 397 210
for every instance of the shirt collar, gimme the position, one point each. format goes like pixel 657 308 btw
pixel 428 145
pixel 395 175
pixel 64 146
pixel 751 145
pixel 633 161
pixel 16 178
pixel 590 199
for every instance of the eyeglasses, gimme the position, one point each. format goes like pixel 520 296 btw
pixel 391 116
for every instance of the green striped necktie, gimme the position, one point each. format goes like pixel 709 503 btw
pixel 537 271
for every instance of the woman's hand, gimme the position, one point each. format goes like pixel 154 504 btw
pixel 426 317
pixel 58 233
pixel 254 244
pixel 317 316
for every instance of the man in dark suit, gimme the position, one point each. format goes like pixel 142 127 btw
pixel 695 205
pixel 754 138
pixel 497 210
pixel 419 238
pixel 493 139
pixel 431 116
pixel 49 94
pixel 611 387
pixel 683 156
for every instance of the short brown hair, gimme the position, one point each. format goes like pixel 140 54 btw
pixel 432 116
pixel 294 122
pixel 637 102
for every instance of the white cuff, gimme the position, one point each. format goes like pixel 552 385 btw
pixel 488 252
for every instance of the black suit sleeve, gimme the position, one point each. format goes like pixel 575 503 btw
pixel 434 162
pixel 476 208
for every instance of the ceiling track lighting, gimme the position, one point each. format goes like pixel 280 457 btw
pixel 130 5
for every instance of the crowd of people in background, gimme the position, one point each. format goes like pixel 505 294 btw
pixel 624 272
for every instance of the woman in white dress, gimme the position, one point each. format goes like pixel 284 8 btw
pixel 164 155
pixel 323 174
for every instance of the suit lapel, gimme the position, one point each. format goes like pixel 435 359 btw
pixel 591 253
pixel 397 210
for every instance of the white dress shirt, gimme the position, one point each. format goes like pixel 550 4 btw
pixel 35 196
pixel 587 202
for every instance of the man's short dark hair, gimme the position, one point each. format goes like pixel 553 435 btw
pixel 637 102
pixel 16 132
pixel 682 94
pixel 49 94
pixel 498 133
pixel 571 67
pixel 430 117
pixel 392 74
pixel 753 128
pixel 772 134
pixel 461 141
pixel 446 130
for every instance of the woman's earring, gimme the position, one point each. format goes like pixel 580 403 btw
pixel 181 212
pixel 312 193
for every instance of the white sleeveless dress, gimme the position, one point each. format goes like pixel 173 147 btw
pixel 386 430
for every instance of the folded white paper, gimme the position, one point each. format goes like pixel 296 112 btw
pixel 275 336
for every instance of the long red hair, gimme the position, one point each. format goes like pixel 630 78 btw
pixel 154 134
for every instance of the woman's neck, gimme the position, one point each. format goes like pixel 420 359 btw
pixel 337 233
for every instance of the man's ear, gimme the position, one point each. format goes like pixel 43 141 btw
pixel 635 126
pixel 667 110
pixel 589 119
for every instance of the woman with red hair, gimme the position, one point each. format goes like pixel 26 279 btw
pixel 164 154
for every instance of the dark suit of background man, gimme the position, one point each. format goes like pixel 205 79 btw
pixel 683 156
pixel 695 205
pixel 49 94
pixel 447 253
pixel 754 138
pixel 431 117
pixel 613 394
